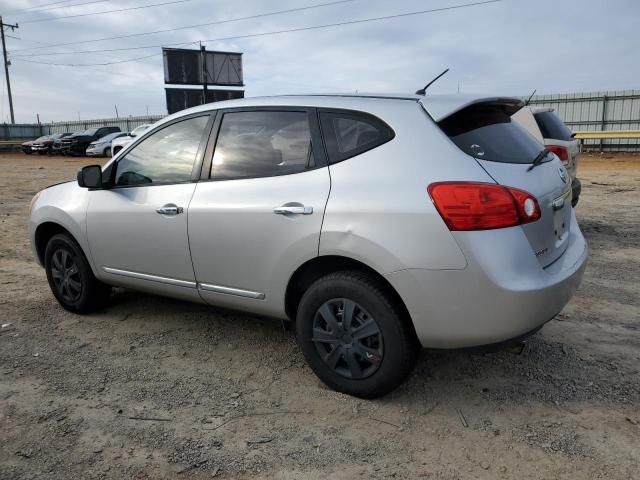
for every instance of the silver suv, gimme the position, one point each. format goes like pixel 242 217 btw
pixel 376 224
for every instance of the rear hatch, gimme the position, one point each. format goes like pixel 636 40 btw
pixel 485 130
pixel 555 132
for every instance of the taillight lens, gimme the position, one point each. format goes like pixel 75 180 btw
pixel 561 152
pixel 483 206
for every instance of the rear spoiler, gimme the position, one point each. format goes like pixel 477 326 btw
pixel 441 107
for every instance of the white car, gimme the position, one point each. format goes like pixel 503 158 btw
pixel 550 130
pixel 121 142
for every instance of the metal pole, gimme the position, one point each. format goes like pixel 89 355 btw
pixel 6 65
pixel 203 56
pixel 604 120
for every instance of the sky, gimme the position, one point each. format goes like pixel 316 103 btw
pixel 509 47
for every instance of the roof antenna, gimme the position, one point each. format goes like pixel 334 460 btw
pixel 530 97
pixel 422 91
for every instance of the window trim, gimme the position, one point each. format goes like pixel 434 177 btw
pixel 317 144
pixel 195 171
pixel 331 141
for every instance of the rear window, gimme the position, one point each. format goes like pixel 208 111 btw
pixel 552 127
pixel 487 132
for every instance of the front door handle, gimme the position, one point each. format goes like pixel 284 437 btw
pixel 295 209
pixel 170 209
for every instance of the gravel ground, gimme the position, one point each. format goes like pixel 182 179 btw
pixel 156 388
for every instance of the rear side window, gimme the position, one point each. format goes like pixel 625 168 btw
pixel 487 132
pixel 348 134
pixel 552 127
pixel 262 144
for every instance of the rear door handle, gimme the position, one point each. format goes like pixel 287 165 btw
pixel 170 209
pixel 293 210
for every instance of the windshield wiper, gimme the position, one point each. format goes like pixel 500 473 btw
pixel 538 160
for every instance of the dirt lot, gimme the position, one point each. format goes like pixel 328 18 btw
pixel 157 388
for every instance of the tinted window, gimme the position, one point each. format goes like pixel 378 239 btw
pixel 551 126
pixel 486 131
pixel 349 134
pixel 90 132
pixel 167 156
pixel 262 144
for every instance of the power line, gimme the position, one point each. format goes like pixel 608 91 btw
pixel 107 11
pixel 216 22
pixel 264 34
pixel 37 6
pixel 94 64
pixel 96 69
pixel 45 7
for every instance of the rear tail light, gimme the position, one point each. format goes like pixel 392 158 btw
pixel 561 152
pixel 483 206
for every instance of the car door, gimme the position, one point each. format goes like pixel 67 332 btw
pixel 137 226
pixel 257 214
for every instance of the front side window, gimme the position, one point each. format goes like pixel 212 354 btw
pixel 262 144
pixel 167 156
pixel 351 133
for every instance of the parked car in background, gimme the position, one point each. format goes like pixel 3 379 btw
pixel 56 147
pixel 27 147
pixel 549 129
pixel 122 142
pixel 377 224
pixel 46 146
pixel 77 143
pixel 102 146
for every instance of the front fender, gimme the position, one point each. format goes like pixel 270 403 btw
pixel 64 205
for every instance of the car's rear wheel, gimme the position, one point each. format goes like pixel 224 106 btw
pixel 70 277
pixel 354 336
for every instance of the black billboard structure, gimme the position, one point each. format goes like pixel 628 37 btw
pixel 200 68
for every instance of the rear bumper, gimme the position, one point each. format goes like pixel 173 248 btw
pixel 502 294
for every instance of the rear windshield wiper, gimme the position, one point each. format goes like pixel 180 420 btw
pixel 538 160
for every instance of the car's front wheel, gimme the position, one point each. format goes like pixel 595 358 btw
pixel 70 277
pixel 354 336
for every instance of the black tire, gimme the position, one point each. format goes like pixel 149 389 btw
pixel 391 353
pixel 70 277
pixel 107 152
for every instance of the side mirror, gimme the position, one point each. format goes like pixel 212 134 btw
pixel 132 135
pixel 90 177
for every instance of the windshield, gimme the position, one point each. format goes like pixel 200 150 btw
pixel 486 131
pixel 41 139
pixel 140 129
pixel 90 132
pixel 109 137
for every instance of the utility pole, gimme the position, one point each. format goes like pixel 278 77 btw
pixel 6 64
pixel 203 55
